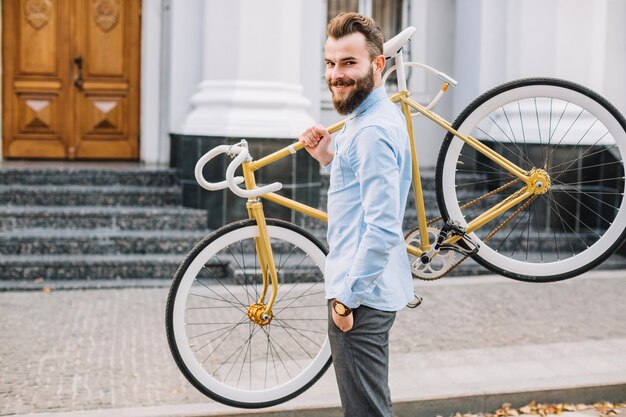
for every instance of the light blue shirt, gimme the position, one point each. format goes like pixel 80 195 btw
pixel 370 177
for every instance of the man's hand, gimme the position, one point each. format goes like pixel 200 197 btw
pixel 343 323
pixel 317 140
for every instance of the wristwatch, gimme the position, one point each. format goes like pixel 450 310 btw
pixel 341 309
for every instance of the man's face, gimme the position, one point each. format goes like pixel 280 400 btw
pixel 349 71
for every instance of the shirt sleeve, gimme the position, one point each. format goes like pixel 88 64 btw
pixel 373 158
pixel 326 168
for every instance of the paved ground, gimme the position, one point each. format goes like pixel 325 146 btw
pixel 106 349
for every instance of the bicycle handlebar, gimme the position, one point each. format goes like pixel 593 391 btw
pixel 232 180
pixel 213 186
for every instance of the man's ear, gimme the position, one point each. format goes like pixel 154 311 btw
pixel 379 64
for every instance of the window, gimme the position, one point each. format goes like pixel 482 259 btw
pixel 387 13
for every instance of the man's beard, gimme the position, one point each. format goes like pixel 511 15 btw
pixel 362 88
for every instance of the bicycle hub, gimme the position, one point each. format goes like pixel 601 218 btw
pixel 257 313
pixel 539 181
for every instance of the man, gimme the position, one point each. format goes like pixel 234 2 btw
pixel 367 275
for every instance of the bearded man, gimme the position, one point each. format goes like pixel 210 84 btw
pixel 367 274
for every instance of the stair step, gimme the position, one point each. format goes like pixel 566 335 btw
pixel 80 195
pixel 89 217
pixel 125 176
pixel 70 267
pixel 105 242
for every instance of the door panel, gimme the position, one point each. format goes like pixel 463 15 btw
pixel 104 33
pixel 107 103
pixel 71 79
pixel 38 37
pixel 34 85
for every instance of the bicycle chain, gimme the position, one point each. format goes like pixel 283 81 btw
pixel 475 201
pixel 497 229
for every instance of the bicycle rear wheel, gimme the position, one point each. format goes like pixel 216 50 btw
pixel 218 348
pixel 573 134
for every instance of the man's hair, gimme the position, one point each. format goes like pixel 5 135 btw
pixel 345 24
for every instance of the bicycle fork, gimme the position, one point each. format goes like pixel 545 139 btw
pixel 260 312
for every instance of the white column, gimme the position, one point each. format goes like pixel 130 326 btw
pixel 480 48
pixel 252 84
pixel 503 40
pixel 152 137
pixel 432 44
pixel 185 64
pixel 614 86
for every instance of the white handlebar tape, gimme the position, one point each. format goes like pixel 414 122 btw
pixel 232 183
pixel 212 186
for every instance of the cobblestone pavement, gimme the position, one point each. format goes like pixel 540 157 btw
pixel 90 349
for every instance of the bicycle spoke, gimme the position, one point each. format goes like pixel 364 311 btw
pixel 564 224
pixel 221 300
pixel 273 346
pixel 582 156
pixel 297 298
pixel 235 276
pixel 597 199
pixel 295 340
pixel 492 167
pixel 226 332
pixel 220 282
pixel 539 132
pixel 254 287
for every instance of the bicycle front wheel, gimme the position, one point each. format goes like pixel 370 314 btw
pixel 573 134
pixel 218 348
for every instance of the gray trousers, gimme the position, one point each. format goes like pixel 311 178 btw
pixel 361 361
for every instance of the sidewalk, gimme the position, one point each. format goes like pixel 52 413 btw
pixel 475 343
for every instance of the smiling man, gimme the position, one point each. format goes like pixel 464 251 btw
pixel 367 275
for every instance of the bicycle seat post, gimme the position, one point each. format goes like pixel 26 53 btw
pixel 400 71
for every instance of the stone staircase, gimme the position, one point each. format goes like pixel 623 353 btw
pixel 105 223
pixel 118 224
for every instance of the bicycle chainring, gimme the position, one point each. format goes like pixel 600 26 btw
pixel 440 265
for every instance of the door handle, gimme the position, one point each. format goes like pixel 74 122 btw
pixel 78 74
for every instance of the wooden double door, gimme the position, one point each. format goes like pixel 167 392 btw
pixel 71 79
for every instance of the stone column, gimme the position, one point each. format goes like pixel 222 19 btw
pixel 252 88
pixel 502 40
pixel 252 83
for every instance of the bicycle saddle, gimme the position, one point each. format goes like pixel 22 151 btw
pixel 393 45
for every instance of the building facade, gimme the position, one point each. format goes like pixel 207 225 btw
pixel 121 80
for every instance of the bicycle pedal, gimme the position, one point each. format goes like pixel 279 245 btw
pixel 415 302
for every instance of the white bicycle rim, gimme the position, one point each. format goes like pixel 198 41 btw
pixel 601 246
pixel 180 334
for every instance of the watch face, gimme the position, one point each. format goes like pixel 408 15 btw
pixel 340 309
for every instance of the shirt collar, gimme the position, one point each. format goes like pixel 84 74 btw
pixel 375 96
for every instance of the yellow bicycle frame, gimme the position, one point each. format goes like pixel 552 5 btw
pixel 255 207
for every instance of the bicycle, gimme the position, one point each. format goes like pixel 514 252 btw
pixel 529 182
